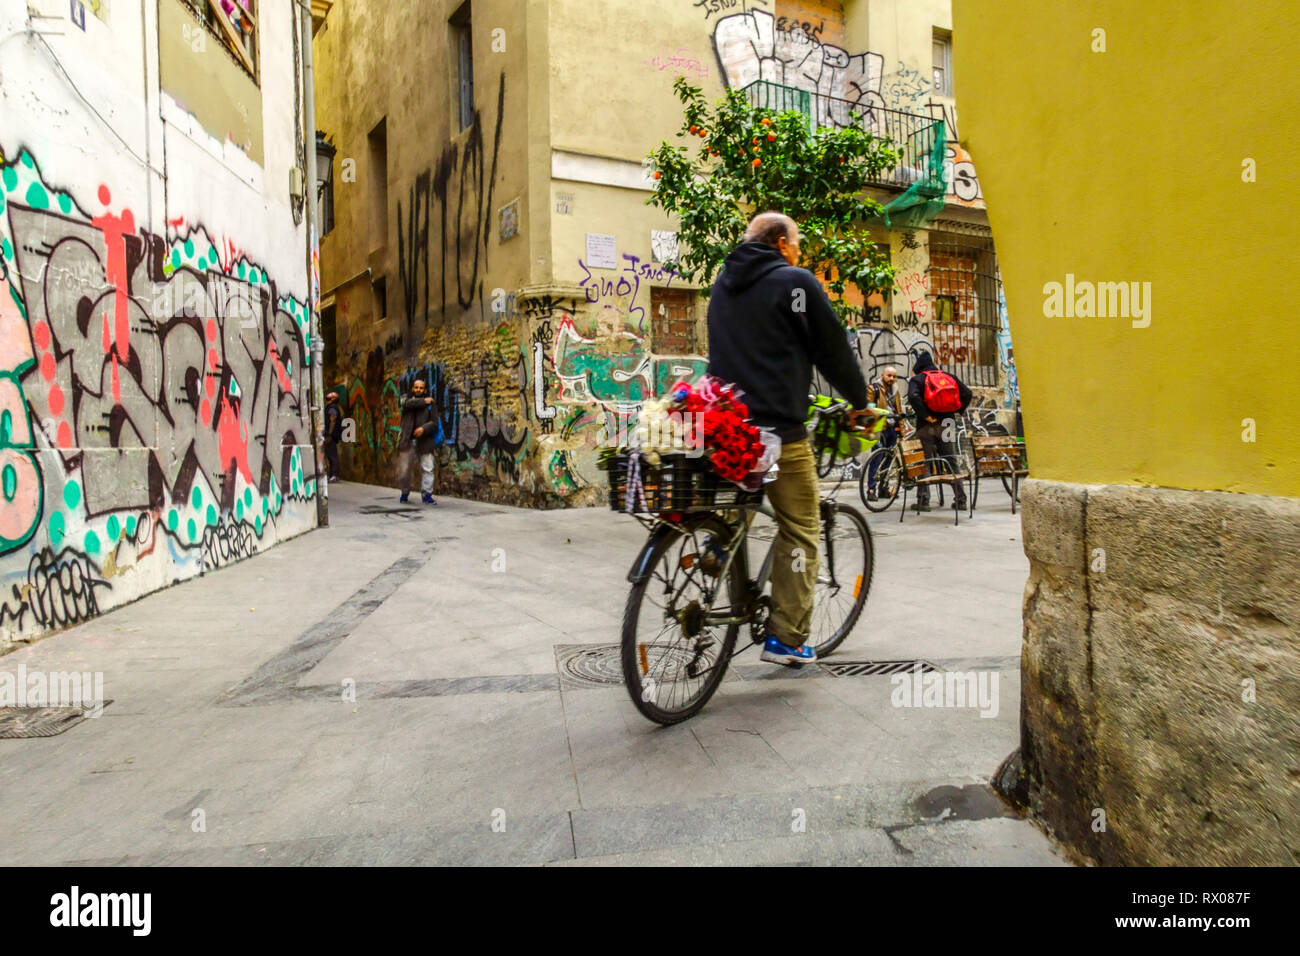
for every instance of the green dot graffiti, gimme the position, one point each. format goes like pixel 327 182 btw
pixel 98 324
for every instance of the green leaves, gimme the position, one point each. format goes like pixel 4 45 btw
pixel 736 159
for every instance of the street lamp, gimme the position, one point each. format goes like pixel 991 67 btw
pixel 325 182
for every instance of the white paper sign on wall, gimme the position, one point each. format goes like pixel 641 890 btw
pixel 602 251
pixel 663 246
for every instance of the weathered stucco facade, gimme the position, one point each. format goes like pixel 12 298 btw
pixel 154 388
pixel 1161 655
pixel 466 256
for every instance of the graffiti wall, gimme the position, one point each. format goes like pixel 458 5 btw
pixel 154 403
pixel 538 339
pixel 756 45
pixel 526 401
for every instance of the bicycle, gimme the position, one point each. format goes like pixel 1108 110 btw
pixel 692 590
pixel 885 466
pixel 891 474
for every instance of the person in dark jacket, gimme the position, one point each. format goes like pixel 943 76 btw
pixel 332 434
pixel 770 324
pixel 419 436
pixel 937 430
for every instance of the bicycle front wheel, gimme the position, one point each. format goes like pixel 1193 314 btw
pixel 674 653
pixel 846 559
pixel 888 478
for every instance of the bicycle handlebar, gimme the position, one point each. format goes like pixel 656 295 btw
pixel 835 409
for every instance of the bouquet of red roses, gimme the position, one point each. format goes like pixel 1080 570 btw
pixel 719 425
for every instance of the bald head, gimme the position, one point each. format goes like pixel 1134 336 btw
pixel 777 230
pixel 768 227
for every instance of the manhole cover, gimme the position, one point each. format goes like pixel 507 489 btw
pixel 39 721
pixel 600 665
pixel 590 664
pixel 876 668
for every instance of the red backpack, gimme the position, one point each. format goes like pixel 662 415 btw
pixel 941 392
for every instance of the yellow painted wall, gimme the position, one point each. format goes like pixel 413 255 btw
pixel 1127 166
pixel 611 72
pixel 399 68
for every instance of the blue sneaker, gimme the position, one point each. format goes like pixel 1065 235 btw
pixel 406 496
pixel 778 653
pixel 427 498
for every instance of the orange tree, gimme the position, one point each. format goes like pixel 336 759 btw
pixel 750 159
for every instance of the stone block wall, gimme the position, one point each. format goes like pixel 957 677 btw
pixel 1161 674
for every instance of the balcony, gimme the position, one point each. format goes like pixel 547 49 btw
pixel 921 139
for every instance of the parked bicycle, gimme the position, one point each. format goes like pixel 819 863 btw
pixel 890 474
pixel 693 588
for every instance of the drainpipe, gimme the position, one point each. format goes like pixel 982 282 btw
pixel 317 344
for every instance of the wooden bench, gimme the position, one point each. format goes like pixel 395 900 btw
pixel 1004 457
pixel 920 470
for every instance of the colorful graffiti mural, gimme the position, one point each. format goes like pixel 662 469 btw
pixel 154 404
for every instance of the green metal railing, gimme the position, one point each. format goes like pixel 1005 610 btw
pixel 920 140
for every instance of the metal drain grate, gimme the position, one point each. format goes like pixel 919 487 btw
pixel 407 514
pixel 39 721
pixel 875 668
pixel 590 665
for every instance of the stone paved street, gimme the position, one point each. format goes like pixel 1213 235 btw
pixel 227 698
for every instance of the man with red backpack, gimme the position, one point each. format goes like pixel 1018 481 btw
pixel 936 396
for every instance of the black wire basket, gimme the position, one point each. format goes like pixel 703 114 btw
pixel 678 484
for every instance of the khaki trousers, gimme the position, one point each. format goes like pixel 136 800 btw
pixel 796 500
pixel 404 459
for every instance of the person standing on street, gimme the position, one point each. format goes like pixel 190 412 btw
pixel 332 434
pixel 883 393
pixel 420 433
pixel 770 324
pixel 936 396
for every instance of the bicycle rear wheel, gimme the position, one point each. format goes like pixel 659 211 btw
pixel 673 657
pixel 846 559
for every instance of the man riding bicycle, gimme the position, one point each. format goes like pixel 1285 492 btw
pixel 770 324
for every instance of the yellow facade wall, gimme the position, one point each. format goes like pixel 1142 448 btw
pixel 1127 166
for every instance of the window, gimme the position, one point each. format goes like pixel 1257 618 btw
pixel 945 307
pixel 672 321
pixel 380 288
pixel 329 336
pixel 234 24
pixel 942 63
pixel 377 143
pixel 964 301
pixel 463 45
pixel 200 66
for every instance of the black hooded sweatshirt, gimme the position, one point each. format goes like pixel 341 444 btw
pixel 770 323
pixel 916 390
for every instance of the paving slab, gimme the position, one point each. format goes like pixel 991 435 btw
pixel 388 690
